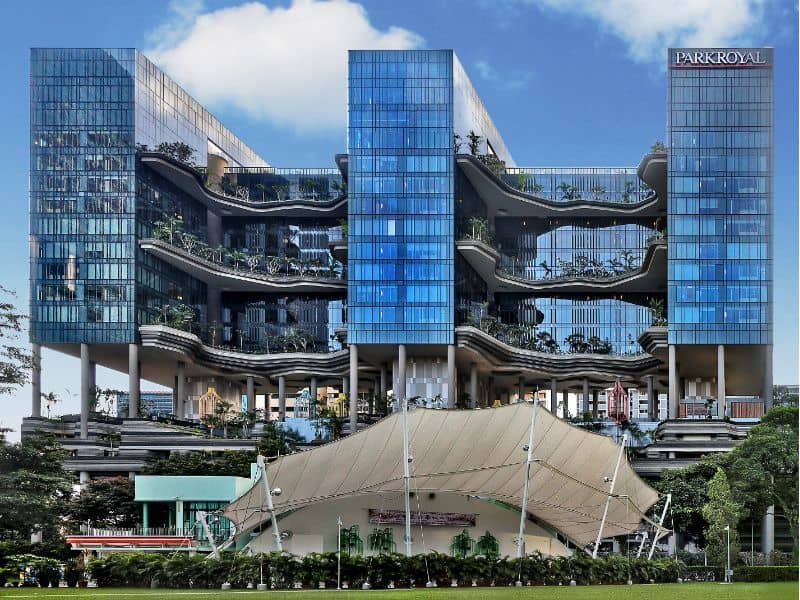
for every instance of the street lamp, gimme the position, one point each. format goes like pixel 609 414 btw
pixel 728 569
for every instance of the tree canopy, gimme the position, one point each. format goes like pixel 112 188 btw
pixel 15 362
pixel 106 503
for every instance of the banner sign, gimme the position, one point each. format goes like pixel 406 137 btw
pixel 398 517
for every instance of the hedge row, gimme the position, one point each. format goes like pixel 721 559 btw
pixel 287 571
pixel 761 574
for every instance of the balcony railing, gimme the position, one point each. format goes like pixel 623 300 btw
pixel 738 408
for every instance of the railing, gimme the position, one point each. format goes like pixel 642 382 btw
pixel 737 408
pixel 136 532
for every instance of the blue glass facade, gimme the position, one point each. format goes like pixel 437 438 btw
pixel 400 211
pixel 720 200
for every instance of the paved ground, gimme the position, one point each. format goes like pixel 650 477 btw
pixel 685 591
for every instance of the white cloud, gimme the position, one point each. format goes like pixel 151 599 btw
pixel 285 65
pixel 512 80
pixel 648 27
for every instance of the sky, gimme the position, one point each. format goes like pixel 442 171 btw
pixel 567 82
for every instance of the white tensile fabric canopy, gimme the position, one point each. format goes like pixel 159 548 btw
pixel 471 452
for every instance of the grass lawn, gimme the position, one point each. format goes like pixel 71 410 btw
pixel 685 591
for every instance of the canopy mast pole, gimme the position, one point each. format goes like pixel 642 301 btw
pixel 641 546
pixel 406 461
pixel 523 511
pixel 610 494
pixel 660 526
pixel 270 508
pixel 201 516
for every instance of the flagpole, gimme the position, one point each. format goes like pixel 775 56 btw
pixel 339 552
pixel 406 476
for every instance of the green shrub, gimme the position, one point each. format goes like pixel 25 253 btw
pixel 763 574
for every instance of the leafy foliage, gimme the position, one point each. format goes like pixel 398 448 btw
pixel 722 513
pixel 235 463
pixel 106 503
pixel 15 362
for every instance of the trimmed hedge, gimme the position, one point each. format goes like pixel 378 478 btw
pixel 138 569
pixel 763 574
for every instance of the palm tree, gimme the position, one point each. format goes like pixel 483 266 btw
pixel 263 189
pixel 462 545
pixel 568 191
pixel 474 143
pixel 281 191
pixel 598 191
pixel 456 143
pixel 537 188
pixel 548 271
pixel 577 343
pixel 656 306
pixel 221 409
pixel 50 399
pixel 488 546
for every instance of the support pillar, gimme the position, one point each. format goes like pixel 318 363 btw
pixel 473 385
pixel 401 374
pixel 281 398
pixel 353 388
pixel 133 381
pixel 145 517
pixel 312 389
pixel 565 400
pixel 85 390
pixel 179 517
pixel 36 381
pixel 586 397
pixel 554 397
pixel 521 390
pixel 766 387
pixel 768 531
pixel 383 383
pixel 674 399
pixel 251 394
pixel 721 398
pixel 180 391
pixel 652 404
pixel 596 405
pixel 451 376
pixel 84 478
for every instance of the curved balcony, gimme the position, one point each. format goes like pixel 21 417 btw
pixel 652 170
pixel 504 200
pixel 244 279
pixel 650 276
pixel 188 345
pixel 596 367
pixel 192 182
pixel 654 341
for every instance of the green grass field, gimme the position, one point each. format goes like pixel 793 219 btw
pixel 685 591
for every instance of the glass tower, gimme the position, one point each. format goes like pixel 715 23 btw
pixel 400 212
pixel 720 196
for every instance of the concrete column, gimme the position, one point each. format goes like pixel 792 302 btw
pixel 490 392
pixel 312 389
pixel 565 400
pixel 586 396
pixel 179 517
pixel 145 517
pixel 521 390
pixel 768 531
pixel 133 380
pixel 596 405
pixel 36 381
pixel 766 387
pixel 214 314
pixel 401 374
pixel 674 394
pixel 721 399
pixel 281 398
pixel 652 404
pixel 395 387
pixel 85 390
pixel 473 385
pixel 353 388
pixel 84 478
pixel 92 381
pixel 251 393
pixel 554 397
pixel 345 385
pixel 451 376
pixel 180 391
pixel 383 383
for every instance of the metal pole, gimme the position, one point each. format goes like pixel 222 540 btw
pixel 339 552
pixel 660 525
pixel 641 546
pixel 523 508
pixel 201 516
pixel 610 494
pixel 270 508
pixel 728 570
pixel 406 461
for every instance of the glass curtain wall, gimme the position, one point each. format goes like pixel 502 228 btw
pixel 400 212
pixel 720 205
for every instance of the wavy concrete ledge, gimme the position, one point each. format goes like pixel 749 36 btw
pixel 596 367
pixel 499 196
pixel 306 364
pixel 191 182
pixel 652 170
pixel 651 276
pixel 230 279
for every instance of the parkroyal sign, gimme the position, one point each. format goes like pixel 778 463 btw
pixel 720 58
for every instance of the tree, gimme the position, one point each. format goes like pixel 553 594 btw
pixel 50 399
pixel 34 490
pixel 221 410
pixel 232 463
pixel 474 143
pixel 658 147
pixel 179 151
pixel 722 514
pixel 107 503
pixel 277 441
pixel 784 395
pixel 15 362
pixel 456 143
pixel 763 468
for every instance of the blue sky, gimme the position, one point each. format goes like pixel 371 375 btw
pixel 568 83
